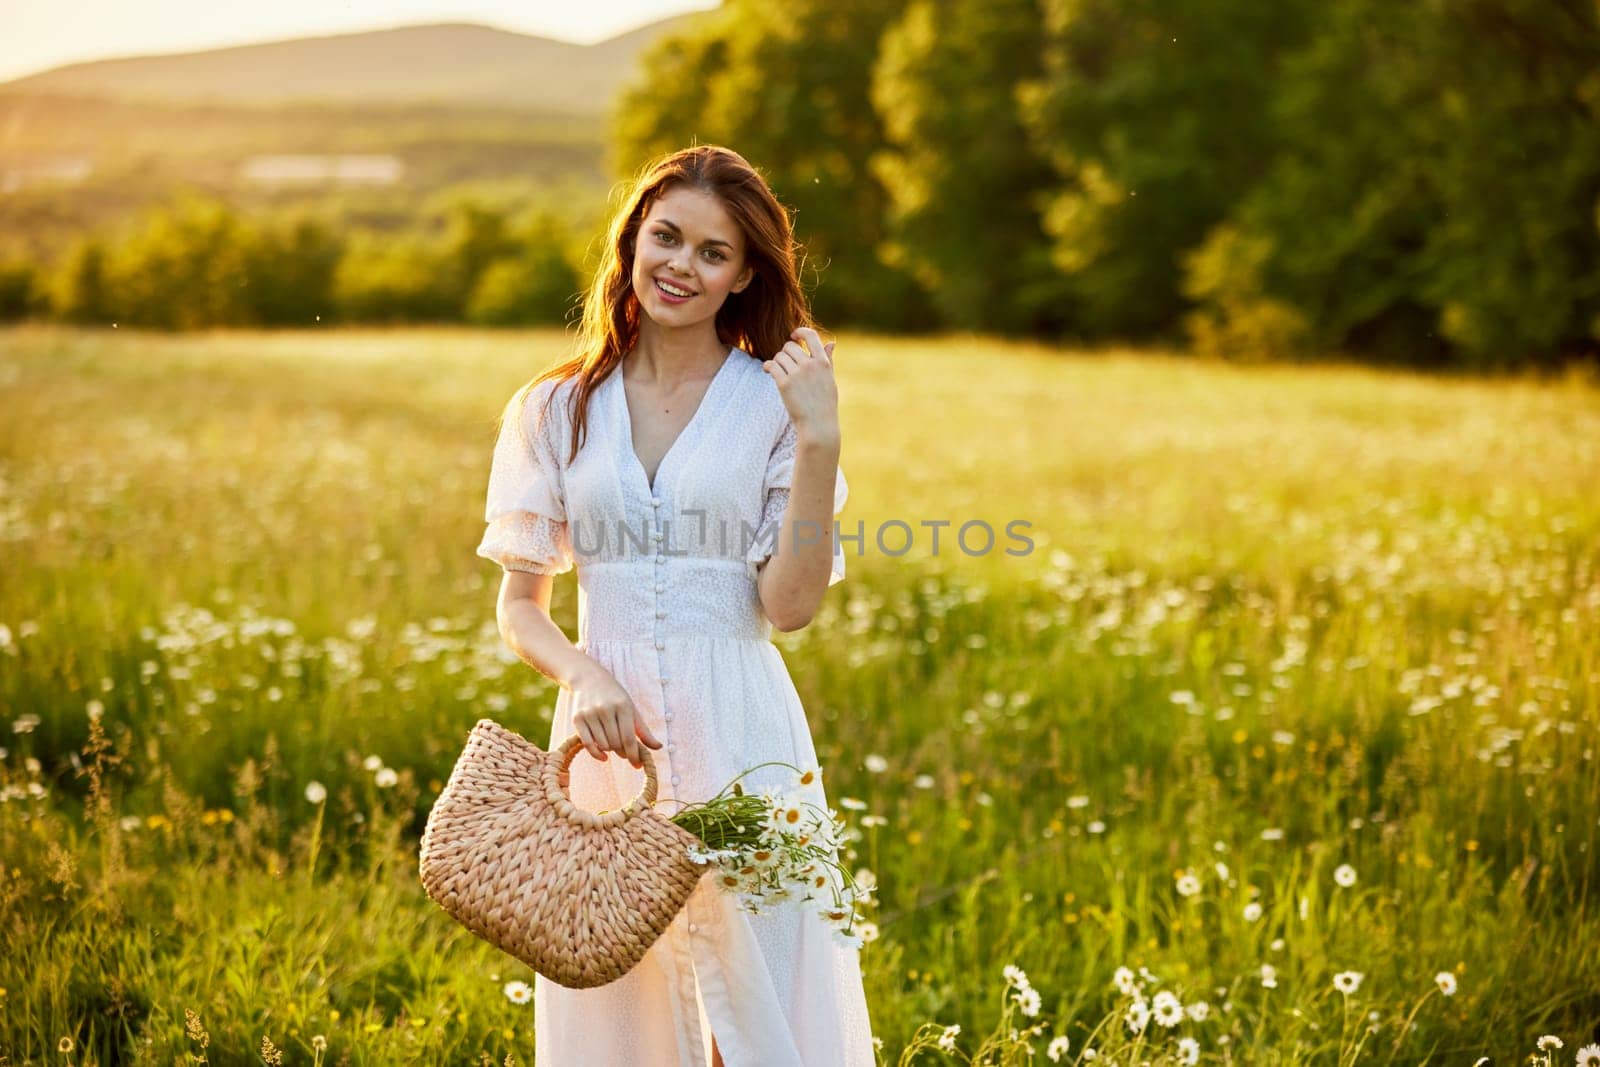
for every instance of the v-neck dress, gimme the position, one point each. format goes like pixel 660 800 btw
pixel 667 603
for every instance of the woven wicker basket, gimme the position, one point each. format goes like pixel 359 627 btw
pixel 576 895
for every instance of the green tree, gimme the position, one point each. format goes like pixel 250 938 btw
pixel 1156 117
pixel 965 183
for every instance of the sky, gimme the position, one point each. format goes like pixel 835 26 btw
pixel 37 35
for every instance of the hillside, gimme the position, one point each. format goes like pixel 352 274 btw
pixel 448 63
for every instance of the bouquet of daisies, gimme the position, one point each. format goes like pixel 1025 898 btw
pixel 775 846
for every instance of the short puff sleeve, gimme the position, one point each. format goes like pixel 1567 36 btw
pixel 777 482
pixel 525 509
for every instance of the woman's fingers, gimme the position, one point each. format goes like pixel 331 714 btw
pixel 586 734
pixel 645 735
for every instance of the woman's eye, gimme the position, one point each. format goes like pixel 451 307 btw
pixel 717 254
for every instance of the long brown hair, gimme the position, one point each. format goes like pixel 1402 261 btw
pixel 758 318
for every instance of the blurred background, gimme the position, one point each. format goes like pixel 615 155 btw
pixel 1415 184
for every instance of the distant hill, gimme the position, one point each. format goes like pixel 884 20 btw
pixel 447 63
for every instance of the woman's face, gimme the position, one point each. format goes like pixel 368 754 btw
pixel 689 242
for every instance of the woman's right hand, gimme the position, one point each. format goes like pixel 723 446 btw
pixel 604 717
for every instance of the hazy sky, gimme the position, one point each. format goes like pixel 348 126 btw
pixel 36 35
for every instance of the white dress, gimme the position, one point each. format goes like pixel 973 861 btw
pixel 667 603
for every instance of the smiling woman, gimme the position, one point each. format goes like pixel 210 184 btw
pixel 665 463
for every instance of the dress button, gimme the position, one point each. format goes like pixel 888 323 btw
pixel 655 501
pixel 660 558
pixel 671 747
pixel 693 928
pixel 661 644
pixel 660 588
pixel 674 779
pixel 656 534
pixel 668 716
pixel 661 614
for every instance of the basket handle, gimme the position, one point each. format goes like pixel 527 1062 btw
pixel 558 777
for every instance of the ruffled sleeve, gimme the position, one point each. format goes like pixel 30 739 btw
pixel 779 478
pixel 525 511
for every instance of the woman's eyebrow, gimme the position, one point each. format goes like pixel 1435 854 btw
pixel 708 240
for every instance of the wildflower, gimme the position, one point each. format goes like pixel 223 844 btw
pixel 1124 981
pixel 1095 827
pixel 1188 1050
pixel 1078 801
pixel 1589 1056
pixel 518 992
pixel 923 781
pixel 875 763
pixel 372 763
pixel 1167 1008
pixel 1347 981
pixel 385 777
pixel 947 1040
pixel 1222 870
pixel 1272 833
pixel 1447 983
pixel 65 1044
pixel 316 792
pixel 1058 1048
pixel 808 777
pixel 1188 884
pixel 1137 1015
pixel 1016 976
pixel 852 804
pixel 1345 875
pixel 1028 1001
pixel 1252 912
pixel 1549 1042
pixel 1198 1011
pixel 1269 976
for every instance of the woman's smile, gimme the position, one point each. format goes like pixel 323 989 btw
pixel 666 289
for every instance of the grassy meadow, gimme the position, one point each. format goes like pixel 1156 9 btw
pixel 1298 682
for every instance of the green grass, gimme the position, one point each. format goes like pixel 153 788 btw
pixel 1280 619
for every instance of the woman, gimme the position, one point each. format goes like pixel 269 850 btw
pixel 694 486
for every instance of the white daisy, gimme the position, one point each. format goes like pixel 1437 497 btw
pixel 1188 884
pixel 1589 1056
pixel 518 992
pixel 1028 1001
pixel 1188 1051
pixel 1252 912
pixel 875 763
pixel 1058 1048
pixel 1345 875
pixel 947 1040
pixel 1137 1015
pixel 316 792
pixel 1549 1042
pixel 1124 981
pixel 1167 1009
pixel 1269 976
pixel 1198 1011
pixel 1347 981
pixel 1447 983
pixel 385 777
pixel 807 777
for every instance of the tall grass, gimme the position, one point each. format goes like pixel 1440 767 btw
pixel 1275 622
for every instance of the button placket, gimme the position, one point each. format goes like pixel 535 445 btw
pixel 661 629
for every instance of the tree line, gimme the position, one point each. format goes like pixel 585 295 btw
pixel 1412 183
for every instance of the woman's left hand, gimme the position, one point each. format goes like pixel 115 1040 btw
pixel 803 369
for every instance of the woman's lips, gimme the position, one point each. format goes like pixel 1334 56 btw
pixel 671 298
